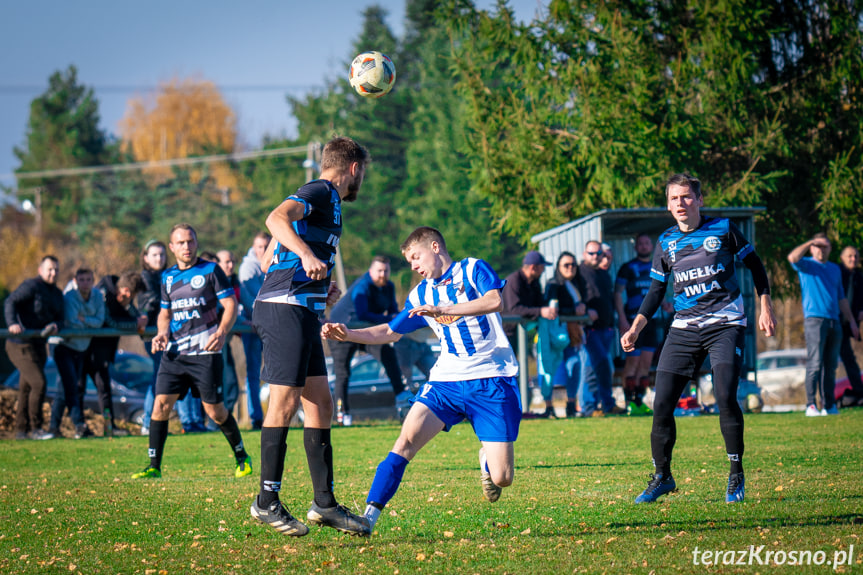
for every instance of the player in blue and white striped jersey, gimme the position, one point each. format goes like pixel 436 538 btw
pixel 698 255
pixel 475 378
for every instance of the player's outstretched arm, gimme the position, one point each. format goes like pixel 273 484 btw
pixel 767 319
pixel 375 335
pixel 490 302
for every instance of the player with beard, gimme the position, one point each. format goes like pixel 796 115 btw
pixel 306 228
pixel 191 335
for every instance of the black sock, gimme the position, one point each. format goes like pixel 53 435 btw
pixel 736 463
pixel 158 435
pixel 232 434
pixel 319 453
pixel 273 448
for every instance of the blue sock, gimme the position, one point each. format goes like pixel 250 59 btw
pixel 388 477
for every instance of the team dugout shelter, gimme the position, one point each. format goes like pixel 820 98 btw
pixel 618 229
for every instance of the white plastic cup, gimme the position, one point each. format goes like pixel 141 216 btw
pixel 347 419
pixel 553 304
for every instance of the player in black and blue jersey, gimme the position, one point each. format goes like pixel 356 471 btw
pixel 633 279
pixel 306 229
pixel 698 257
pixel 192 335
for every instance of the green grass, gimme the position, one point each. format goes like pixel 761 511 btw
pixel 69 506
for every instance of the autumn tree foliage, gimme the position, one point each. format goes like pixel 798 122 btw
pixel 184 118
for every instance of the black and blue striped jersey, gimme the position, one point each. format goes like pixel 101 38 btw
pixel 193 296
pixel 320 228
pixel 701 265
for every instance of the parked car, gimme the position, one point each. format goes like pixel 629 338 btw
pixel 130 376
pixel 369 388
pixel 781 376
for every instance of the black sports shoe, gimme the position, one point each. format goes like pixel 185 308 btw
pixel 279 518
pixel 340 519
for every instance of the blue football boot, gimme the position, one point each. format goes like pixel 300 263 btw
pixel 658 486
pixel 736 488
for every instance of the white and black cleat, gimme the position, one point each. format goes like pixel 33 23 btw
pixel 279 518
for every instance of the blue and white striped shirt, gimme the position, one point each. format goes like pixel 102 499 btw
pixel 472 347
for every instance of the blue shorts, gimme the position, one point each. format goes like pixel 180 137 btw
pixel 492 405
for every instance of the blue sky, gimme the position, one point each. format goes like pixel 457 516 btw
pixel 256 53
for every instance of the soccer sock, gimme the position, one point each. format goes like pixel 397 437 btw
pixel 372 513
pixel 273 448
pixel 387 479
pixel 736 463
pixel 235 439
pixel 158 435
pixel 629 393
pixel 319 453
pixel 641 389
pixel 484 463
pixel 730 414
pixel 663 434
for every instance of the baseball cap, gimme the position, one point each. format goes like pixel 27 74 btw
pixel 534 259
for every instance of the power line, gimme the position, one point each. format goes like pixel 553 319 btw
pixel 84 170
pixel 131 88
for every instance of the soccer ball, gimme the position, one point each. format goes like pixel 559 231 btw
pixel 372 74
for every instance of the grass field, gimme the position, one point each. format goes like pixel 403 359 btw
pixel 69 506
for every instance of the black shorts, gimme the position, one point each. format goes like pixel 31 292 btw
pixel 200 374
pixel 291 336
pixel 685 349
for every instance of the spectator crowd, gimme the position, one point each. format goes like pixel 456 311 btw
pixel 572 320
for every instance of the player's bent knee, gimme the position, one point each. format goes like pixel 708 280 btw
pixel 217 412
pixel 162 407
pixel 405 447
pixel 503 478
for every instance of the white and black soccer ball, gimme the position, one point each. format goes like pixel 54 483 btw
pixel 372 75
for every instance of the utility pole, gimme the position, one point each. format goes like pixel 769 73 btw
pixel 38 206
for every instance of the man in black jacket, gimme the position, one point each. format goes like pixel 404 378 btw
pixel 852 281
pixel 36 304
pixel 370 299
pixel 597 290
pixel 120 313
pixel 522 295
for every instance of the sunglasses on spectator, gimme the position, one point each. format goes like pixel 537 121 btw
pixel 568 265
pixel 599 253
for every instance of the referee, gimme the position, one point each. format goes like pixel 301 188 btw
pixel 698 255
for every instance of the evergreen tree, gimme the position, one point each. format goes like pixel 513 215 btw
pixel 593 105
pixel 62 132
